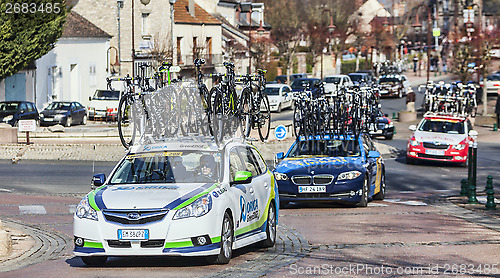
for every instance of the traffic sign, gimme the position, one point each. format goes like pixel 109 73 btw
pixel 175 69
pixel 280 132
pixel 27 125
pixel 436 32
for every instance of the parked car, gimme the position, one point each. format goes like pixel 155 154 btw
pixel 440 138
pixel 492 84
pixel 282 78
pixel 64 113
pixel 299 84
pixel 179 198
pixel 13 111
pixel 393 85
pixel 280 96
pixel 371 74
pixel 360 79
pixel 104 104
pixel 335 82
pixel 345 169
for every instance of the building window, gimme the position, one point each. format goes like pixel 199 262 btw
pixel 92 75
pixel 179 52
pixel 145 30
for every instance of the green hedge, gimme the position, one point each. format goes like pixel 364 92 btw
pixel 349 66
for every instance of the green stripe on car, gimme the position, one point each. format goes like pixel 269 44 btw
pixel 192 199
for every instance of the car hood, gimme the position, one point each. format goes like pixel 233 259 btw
pixel 444 138
pixel 320 165
pixel 53 112
pixel 103 104
pixel 147 196
pixel 274 97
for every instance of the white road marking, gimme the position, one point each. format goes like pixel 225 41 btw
pixel 413 203
pixel 72 208
pixel 445 169
pixel 5 190
pixel 377 205
pixel 32 210
pixel 406 192
pixel 483 200
pixel 392 200
pixel 443 190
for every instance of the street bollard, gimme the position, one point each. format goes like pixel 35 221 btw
pixel 469 167
pixel 463 189
pixel 472 185
pixel 393 115
pixel 490 199
pixel 495 127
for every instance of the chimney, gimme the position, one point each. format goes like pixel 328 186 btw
pixel 191 8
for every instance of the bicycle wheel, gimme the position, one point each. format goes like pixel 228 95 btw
pixel 297 120
pixel 172 111
pixel 184 112
pixel 206 111
pixel 245 111
pixel 218 116
pixel 126 121
pixel 264 118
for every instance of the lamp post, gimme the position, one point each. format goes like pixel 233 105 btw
pixel 172 2
pixel 330 28
pixel 119 4
pixel 417 25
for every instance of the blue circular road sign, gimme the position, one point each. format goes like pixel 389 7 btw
pixel 280 132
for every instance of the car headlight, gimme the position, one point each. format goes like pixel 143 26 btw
pixel 280 176
pixel 8 118
pixel 349 175
pixel 197 208
pixel 459 147
pixel 414 143
pixel 84 210
pixel 42 115
pixel 274 101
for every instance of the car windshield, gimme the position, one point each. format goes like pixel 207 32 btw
pixel 106 95
pixel 451 127
pixel 300 83
pixel 356 77
pixel 9 106
pixel 331 148
pixel 388 80
pixel 334 80
pixel 58 106
pixel 494 77
pixel 272 91
pixel 169 167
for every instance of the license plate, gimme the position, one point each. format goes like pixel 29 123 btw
pixel 133 234
pixel 434 152
pixel 312 189
pixel 48 120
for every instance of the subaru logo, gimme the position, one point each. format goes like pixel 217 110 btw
pixel 133 216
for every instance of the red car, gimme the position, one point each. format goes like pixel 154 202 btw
pixel 440 138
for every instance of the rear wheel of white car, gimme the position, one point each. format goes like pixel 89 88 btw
pixel 270 227
pixel 94 261
pixel 226 242
pixel 279 108
pixel 68 121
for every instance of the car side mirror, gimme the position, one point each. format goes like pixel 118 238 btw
pixel 412 127
pixel 97 180
pixel 242 177
pixel 22 111
pixel 373 154
pixel 278 157
pixel 473 133
pixel 386 115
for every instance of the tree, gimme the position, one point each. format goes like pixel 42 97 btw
pixel 27 36
pixel 283 17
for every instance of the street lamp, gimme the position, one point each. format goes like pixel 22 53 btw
pixel 119 4
pixel 172 2
pixel 330 28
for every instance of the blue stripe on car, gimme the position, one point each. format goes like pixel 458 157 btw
pixel 192 249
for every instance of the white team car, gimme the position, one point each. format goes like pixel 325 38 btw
pixel 179 198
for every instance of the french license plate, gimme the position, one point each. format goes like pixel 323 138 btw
pixel 48 119
pixel 133 234
pixel 434 152
pixel 312 189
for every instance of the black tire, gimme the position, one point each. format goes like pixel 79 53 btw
pixel 126 121
pixel 283 204
pixel 264 119
pixel 245 111
pixel 185 117
pixel 270 227
pixel 94 261
pixel 84 120
pixel 218 116
pixel 381 194
pixel 297 121
pixel 389 137
pixel 226 242
pixel 364 194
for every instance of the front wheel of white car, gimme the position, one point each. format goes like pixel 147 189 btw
pixel 95 260
pixel 270 227
pixel 226 242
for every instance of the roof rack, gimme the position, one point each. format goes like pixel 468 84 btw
pixel 443 114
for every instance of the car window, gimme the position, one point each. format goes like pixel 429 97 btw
pixel 10 107
pixel 440 126
pixel 30 107
pixel 24 107
pixel 260 160
pixel 251 164
pixel 235 164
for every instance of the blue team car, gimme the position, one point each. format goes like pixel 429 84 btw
pixel 346 169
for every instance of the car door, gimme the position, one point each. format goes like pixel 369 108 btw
pixel 375 164
pixel 239 192
pixel 287 96
pixel 371 166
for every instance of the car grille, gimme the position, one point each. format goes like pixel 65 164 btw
pixel 142 216
pixel 434 146
pixel 322 179
pixel 381 126
pixel 444 157
pixel 144 244
pixel 301 180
